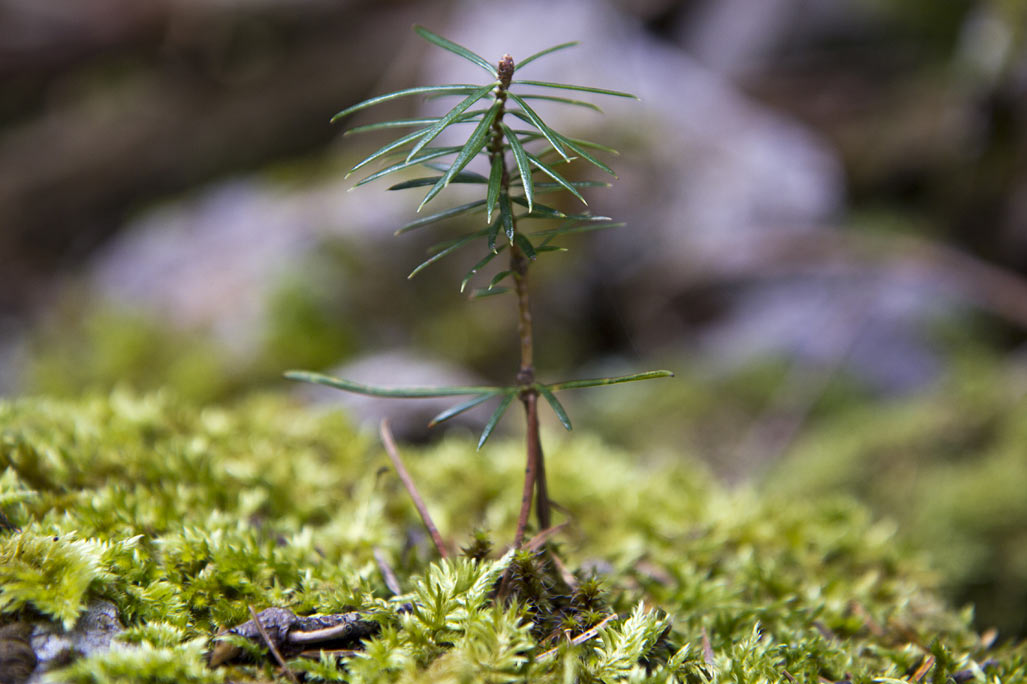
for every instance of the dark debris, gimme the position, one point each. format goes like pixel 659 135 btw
pixel 292 634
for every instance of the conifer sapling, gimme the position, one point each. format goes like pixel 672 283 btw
pixel 522 157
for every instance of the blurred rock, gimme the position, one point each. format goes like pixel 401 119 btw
pixel 136 102
pixel 869 325
pixel 210 262
pixel 740 39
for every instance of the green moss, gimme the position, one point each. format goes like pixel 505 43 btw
pixel 50 573
pixel 181 664
pixel 183 517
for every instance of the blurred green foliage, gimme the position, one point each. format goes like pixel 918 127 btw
pixel 304 326
pixel 949 467
pixel 95 348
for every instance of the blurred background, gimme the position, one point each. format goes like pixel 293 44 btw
pixel 826 208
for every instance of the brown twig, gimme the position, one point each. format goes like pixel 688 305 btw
pixel 391 581
pixel 271 645
pixel 351 628
pixel 707 651
pixel 868 621
pixel 408 482
pixel 825 631
pixel 543 506
pixel 542 537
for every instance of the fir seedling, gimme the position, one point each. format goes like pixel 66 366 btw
pixel 523 158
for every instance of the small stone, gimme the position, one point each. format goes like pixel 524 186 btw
pixel 93 632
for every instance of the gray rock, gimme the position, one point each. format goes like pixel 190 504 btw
pixel 94 631
pixel 209 262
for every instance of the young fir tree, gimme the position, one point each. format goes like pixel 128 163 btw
pixel 522 164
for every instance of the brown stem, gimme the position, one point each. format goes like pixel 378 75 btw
pixel 535 473
pixel 530 472
pixel 391 581
pixel 529 397
pixel 534 453
pixel 536 542
pixel 543 510
pixel 519 267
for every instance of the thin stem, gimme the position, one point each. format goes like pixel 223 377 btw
pixel 535 473
pixel 519 267
pixel 391 581
pixel 542 537
pixel 543 510
pixel 530 401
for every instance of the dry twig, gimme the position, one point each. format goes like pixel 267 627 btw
pixel 408 482
pixel 707 651
pixel 391 581
pixel 271 645
pixel 542 537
